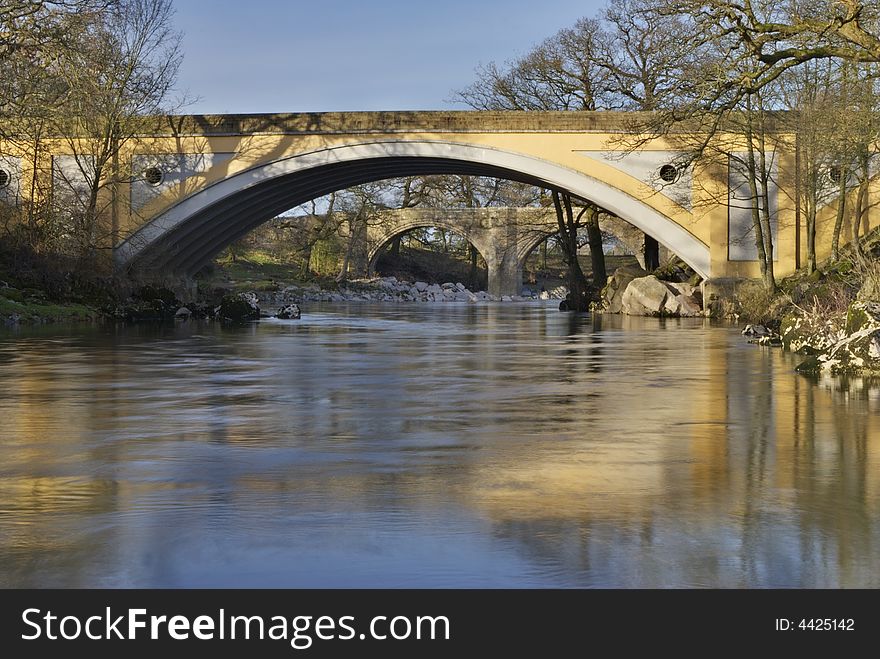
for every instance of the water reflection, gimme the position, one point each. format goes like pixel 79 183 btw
pixel 491 445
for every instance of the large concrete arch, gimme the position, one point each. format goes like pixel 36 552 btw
pixel 191 232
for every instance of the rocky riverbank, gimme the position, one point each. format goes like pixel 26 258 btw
pixel 390 289
pixel 840 345
pixel 831 317
pixel 158 303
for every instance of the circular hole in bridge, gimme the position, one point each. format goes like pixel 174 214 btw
pixel 669 173
pixel 153 175
pixel 834 173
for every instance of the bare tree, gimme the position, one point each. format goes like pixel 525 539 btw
pixel 119 67
pixel 773 37
pixel 812 93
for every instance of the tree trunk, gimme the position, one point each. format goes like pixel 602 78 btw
pixel 306 260
pixel 766 220
pixel 473 272
pixel 841 210
pixel 394 249
pixel 860 212
pixel 597 255
pixel 352 236
pixel 651 253
pixel 577 282
pixel 756 198
pixel 808 175
pixel 811 203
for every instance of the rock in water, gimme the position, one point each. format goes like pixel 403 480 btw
pixel 612 294
pixel 238 307
pixel 649 296
pixel 645 296
pixel 289 312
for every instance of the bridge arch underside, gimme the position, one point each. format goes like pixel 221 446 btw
pixel 377 247
pixel 184 238
pixel 614 226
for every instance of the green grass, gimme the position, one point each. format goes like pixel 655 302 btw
pixel 44 312
pixel 255 270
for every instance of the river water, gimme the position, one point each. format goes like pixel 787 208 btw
pixel 431 446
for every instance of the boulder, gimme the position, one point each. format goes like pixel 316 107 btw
pixel 612 294
pixel 649 296
pixel 683 306
pixel 238 307
pixel 289 312
pixel 421 286
pixel 682 288
pixel 183 314
pixel 645 296
pixel 809 335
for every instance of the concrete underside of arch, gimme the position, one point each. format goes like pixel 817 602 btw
pixel 190 233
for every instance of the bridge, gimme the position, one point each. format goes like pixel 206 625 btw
pixel 504 237
pixel 200 182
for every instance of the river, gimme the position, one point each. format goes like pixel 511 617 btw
pixel 492 445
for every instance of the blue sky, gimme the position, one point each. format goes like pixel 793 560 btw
pixel 298 56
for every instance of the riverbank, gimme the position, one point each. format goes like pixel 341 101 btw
pixel 20 307
pixel 390 289
pixel 831 316
pixel 114 302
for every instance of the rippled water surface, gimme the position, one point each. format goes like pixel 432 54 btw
pixel 429 445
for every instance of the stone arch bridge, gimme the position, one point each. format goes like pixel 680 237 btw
pixel 197 183
pixel 503 236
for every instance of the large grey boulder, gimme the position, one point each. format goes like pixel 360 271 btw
pixel 645 296
pixel 648 296
pixel 612 294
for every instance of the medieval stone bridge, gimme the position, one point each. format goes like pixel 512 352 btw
pixel 201 182
pixel 503 236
